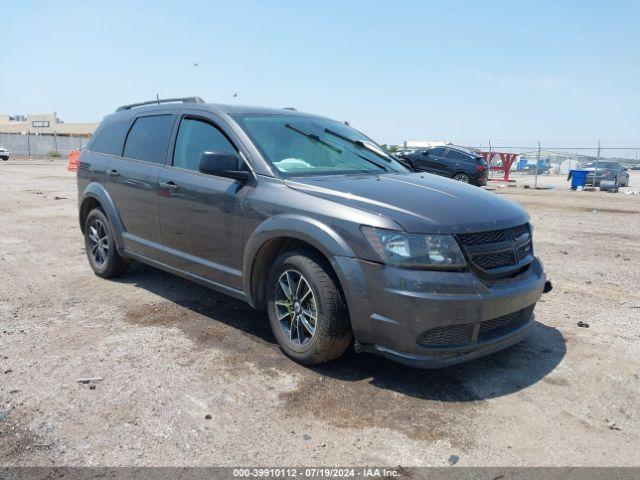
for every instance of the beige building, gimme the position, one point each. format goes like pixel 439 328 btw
pixel 46 124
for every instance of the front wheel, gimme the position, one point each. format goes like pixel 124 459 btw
pixel 462 177
pixel 306 309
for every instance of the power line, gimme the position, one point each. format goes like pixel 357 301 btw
pixel 493 147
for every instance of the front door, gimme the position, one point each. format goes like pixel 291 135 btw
pixel 433 161
pixel 201 215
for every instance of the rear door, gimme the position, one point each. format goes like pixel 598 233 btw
pixel 201 215
pixel 458 161
pixel 132 181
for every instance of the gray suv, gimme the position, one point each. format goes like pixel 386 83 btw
pixel 310 219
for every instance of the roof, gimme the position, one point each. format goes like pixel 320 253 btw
pixel 130 110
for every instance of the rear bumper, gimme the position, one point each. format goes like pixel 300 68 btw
pixel 391 309
pixel 480 179
pixel 599 178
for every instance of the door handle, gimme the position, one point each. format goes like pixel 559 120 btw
pixel 113 173
pixel 169 186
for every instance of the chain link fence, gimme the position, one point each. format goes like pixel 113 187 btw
pixel 543 161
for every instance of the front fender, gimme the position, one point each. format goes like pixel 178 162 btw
pixel 320 235
pixel 97 192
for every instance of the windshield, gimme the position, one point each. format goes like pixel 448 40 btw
pixel 300 145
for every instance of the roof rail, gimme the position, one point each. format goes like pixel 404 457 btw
pixel 161 100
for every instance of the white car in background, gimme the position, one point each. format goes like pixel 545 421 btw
pixel 4 153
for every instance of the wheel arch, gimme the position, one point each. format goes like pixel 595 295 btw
pixel 458 172
pixel 282 233
pixel 95 195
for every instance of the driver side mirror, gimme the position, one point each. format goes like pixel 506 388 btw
pixel 222 165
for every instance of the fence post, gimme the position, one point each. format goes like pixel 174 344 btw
pixel 29 142
pixel 535 183
pixel 595 173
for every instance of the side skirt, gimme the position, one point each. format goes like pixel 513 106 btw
pixel 219 287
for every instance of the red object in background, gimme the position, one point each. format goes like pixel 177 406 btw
pixel 507 160
pixel 74 160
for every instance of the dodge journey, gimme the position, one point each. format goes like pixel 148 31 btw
pixel 310 220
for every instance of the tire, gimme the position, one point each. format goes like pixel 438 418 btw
pixel 100 246
pixel 462 177
pixel 5 158
pixel 331 334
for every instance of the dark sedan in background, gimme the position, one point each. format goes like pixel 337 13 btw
pixel 449 161
pixel 607 171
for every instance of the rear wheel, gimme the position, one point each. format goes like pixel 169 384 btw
pixel 307 312
pixel 100 246
pixel 462 177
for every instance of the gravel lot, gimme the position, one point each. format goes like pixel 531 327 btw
pixel 191 377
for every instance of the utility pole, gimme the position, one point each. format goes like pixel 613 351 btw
pixel 595 173
pixel 535 183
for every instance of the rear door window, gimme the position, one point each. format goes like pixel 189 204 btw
pixel 109 138
pixel 196 137
pixel 148 138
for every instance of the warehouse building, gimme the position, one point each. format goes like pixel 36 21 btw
pixel 44 124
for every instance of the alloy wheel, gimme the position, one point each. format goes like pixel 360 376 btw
pixel 98 241
pixel 461 177
pixel 296 308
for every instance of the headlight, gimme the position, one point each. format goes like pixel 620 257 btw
pixel 415 251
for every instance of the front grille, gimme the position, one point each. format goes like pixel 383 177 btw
pixel 499 252
pixel 449 335
pixel 460 335
pixel 482 238
pixel 524 251
pixel 500 321
pixel 497 327
pixel 494 260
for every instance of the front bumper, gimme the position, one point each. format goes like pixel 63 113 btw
pixel 392 308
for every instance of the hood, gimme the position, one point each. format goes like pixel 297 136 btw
pixel 418 202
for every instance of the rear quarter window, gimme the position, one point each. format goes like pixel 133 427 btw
pixel 457 155
pixel 109 138
pixel 148 138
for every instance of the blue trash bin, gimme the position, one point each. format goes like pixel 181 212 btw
pixel 578 178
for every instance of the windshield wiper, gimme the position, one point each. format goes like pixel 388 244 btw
pixel 313 136
pixel 360 143
pixel 316 138
pixel 372 162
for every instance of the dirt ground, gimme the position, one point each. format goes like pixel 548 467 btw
pixel 191 377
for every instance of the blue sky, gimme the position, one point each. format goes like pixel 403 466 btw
pixel 566 73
